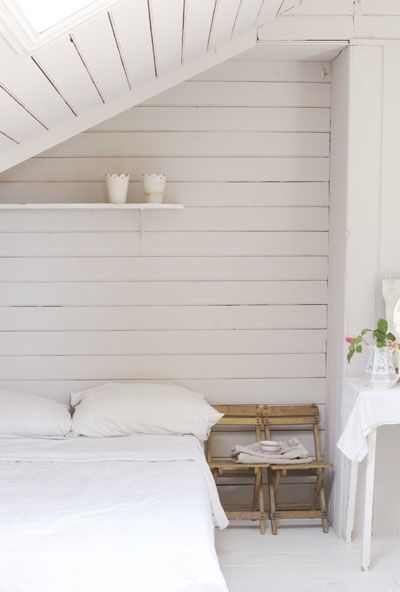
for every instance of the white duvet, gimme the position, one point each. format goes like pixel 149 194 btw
pixel 126 514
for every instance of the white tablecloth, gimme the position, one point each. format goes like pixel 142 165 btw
pixel 364 409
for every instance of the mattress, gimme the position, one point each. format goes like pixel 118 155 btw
pixel 133 513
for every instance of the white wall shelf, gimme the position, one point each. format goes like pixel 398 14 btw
pixel 90 206
pixel 140 207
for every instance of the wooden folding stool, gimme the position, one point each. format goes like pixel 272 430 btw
pixel 302 416
pixel 249 418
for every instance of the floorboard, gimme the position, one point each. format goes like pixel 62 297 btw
pixel 303 559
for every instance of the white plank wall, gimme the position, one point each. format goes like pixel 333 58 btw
pixel 227 296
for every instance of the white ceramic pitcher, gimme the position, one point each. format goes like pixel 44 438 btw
pixel 381 371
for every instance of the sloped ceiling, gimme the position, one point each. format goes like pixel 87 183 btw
pixel 114 61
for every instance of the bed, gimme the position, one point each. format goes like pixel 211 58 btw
pixel 130 513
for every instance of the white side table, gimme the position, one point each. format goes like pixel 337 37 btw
pixel 363 411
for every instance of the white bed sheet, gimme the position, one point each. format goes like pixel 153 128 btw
pixel 122 514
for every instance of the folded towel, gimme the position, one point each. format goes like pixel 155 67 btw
pixel 289 452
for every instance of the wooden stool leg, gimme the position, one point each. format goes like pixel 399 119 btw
pixel 261 508
pixel 317 489
pixel 277 482
pixel 257 485
pixel 322 502
pixel 272 505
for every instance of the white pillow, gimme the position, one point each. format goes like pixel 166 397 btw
pixel 141 408
pixel 22 414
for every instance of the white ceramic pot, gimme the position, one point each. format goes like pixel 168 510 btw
pixel 117 187
pixel 381 371
pixel 154 187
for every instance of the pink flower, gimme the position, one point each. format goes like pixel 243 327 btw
pixel 392 345
pixel 349 339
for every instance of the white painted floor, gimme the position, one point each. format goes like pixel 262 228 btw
pixel 304 559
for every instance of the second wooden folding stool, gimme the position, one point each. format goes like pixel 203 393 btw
pixel 306 417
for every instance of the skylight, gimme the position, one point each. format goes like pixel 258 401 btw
pixel 43 14
pixel 29 24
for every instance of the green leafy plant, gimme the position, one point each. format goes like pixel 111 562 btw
pixel 381 335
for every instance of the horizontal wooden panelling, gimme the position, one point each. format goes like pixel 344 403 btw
pixel 201 194
pixel 228 143
pixel 378 27
pixel 190 219
pixel 125 318
pixel 168 243
pixel 376 7
pixel 228 296
pixel 263 71
pixel 161 293
pixel 300 27
pixel 177 169
pixel 162 268
pixel 162 367
pixel 283 219
pixel 244 94
pixel 316 7
pixel 288 119
pixel 325 51
pixel 261 390
pixel 162 342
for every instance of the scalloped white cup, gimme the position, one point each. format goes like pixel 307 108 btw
pixel 117 187
pixel 154 187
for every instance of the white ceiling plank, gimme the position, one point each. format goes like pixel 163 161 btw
pixel 62 64
pixel 7 54
pixel 269 10
pixel 132 27
pixel 15 121
pixel 96 44
pixel 30 86
pixel 198 18
pixel 224 21
pixel 247 16
pixel 167 23
pixel 5 142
